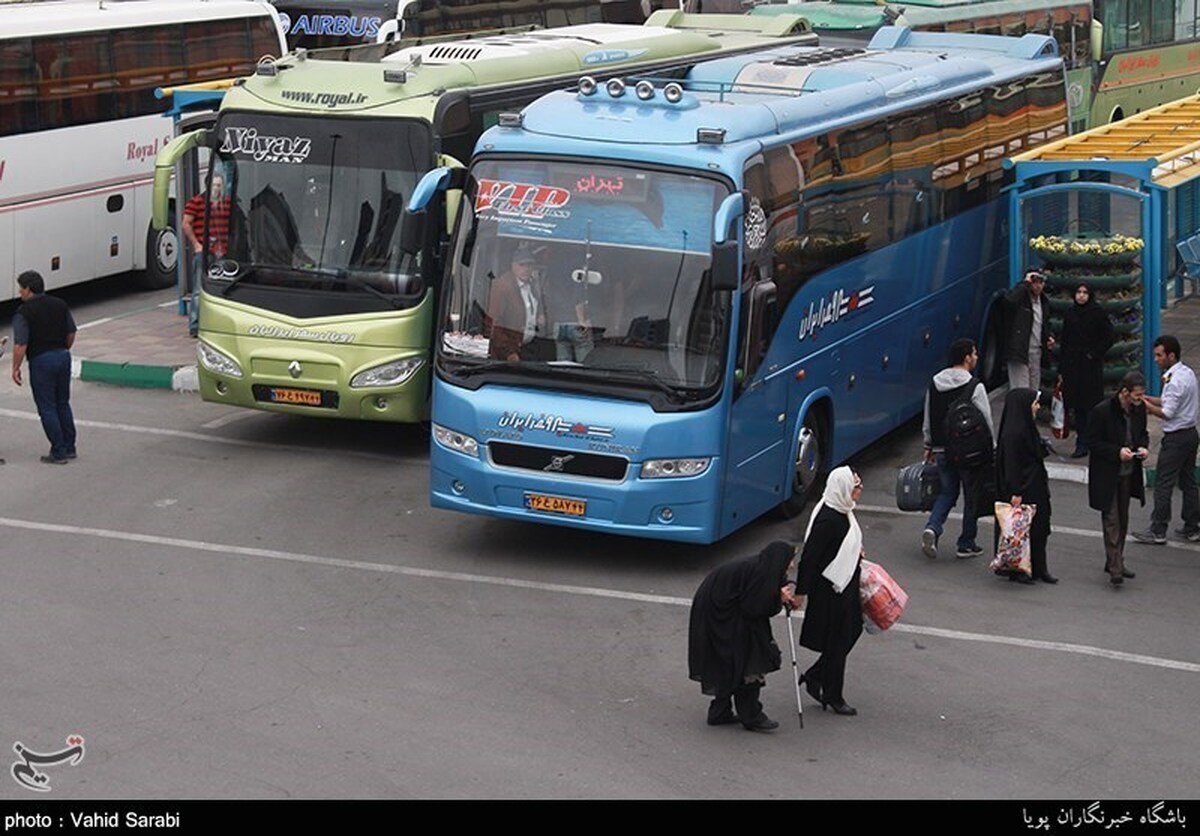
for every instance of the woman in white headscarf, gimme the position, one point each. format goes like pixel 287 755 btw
pixel 828 575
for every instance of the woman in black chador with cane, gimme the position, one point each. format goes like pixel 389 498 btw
pixel 730 645
pixel 829 576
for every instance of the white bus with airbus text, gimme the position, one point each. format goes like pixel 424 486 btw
pixel 80 125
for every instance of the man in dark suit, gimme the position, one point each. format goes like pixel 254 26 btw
pixel 1117 439
pixel 517 312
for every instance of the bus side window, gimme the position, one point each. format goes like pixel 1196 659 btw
pixel 18 87
pixel 217 49
pixel 1185 20
pixel 772 180
pixel 916 148
pixel 146 57
pixel 75 76
pixel 1162 22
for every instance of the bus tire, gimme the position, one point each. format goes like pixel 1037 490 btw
pixel 811 465
pixel 162 256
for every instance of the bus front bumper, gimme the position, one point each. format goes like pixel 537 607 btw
pixel 681 509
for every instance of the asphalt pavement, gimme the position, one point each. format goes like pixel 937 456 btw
pixel 226 603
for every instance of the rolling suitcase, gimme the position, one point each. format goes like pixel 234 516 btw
pixel 917 486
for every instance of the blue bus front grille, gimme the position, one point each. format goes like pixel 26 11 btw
pixel 552 461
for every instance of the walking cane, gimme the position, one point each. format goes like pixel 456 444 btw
pixel 795 671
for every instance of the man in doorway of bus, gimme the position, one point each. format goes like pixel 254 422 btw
pixel 1028 312
pixel 205 221
pixel 44 330
pixel 1117 442
pixel 1177 455
pixel 956 393
pixel 517 311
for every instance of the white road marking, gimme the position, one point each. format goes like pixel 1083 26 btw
pixel 219 439
pixel 566 589
pixel 229 418
pixel 1056 529
pixel 105 319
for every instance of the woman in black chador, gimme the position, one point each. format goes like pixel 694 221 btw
pixel 1021 475
pixel 828 575
pixel 1087 334
pixel 730 646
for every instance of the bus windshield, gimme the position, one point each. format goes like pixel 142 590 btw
pixel 590 271
pixel 315 204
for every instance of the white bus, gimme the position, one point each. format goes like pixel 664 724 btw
pixel 80 125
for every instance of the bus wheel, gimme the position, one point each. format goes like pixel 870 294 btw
pixel 811 466
pixel 162 255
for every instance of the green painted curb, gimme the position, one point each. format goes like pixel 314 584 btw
pixel 127 374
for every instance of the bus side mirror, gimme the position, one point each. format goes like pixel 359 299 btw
pixel 413 222
pixel 164 168
pixel 412 231
pixel 1097 36
pixel 725 273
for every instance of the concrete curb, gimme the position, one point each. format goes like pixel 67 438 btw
pixel 138 376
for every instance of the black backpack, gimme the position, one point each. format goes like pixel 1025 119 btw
pixel 968 439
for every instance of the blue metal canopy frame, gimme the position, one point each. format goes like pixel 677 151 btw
pixel 1152 202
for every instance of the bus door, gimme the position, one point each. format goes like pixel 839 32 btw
pixel 757 467
pixel 187 160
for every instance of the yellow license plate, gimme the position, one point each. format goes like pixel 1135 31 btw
pixel 556 504
pixel 301 396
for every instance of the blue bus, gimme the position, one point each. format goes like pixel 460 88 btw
pixel 670 308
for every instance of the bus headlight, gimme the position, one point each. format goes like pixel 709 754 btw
pixel 389 374
pixel 673 468
pixel 216 361
pixel 456 441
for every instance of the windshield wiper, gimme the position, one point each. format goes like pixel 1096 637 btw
pixel 639 375
pixel 340 274
pixel 621 374
pixel 244 271
pixel 469 369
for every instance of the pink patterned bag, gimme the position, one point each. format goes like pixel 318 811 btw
pixel 882 598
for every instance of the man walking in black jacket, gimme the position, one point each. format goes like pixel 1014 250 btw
pixel 44 331
pixel 1117 439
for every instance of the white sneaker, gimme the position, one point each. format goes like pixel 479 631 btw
pixel 929 542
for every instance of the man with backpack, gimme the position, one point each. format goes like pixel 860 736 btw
pixel 959 437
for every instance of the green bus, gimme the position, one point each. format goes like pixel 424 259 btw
pixel 1122 56
pixel 307 303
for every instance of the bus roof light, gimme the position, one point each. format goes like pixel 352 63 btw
pixel 710 136
pixel 510 120
pixel 644 90
pixel 587 86
pixel 395 76
pixel 266 67
pixel 615 88
pixel 673 93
